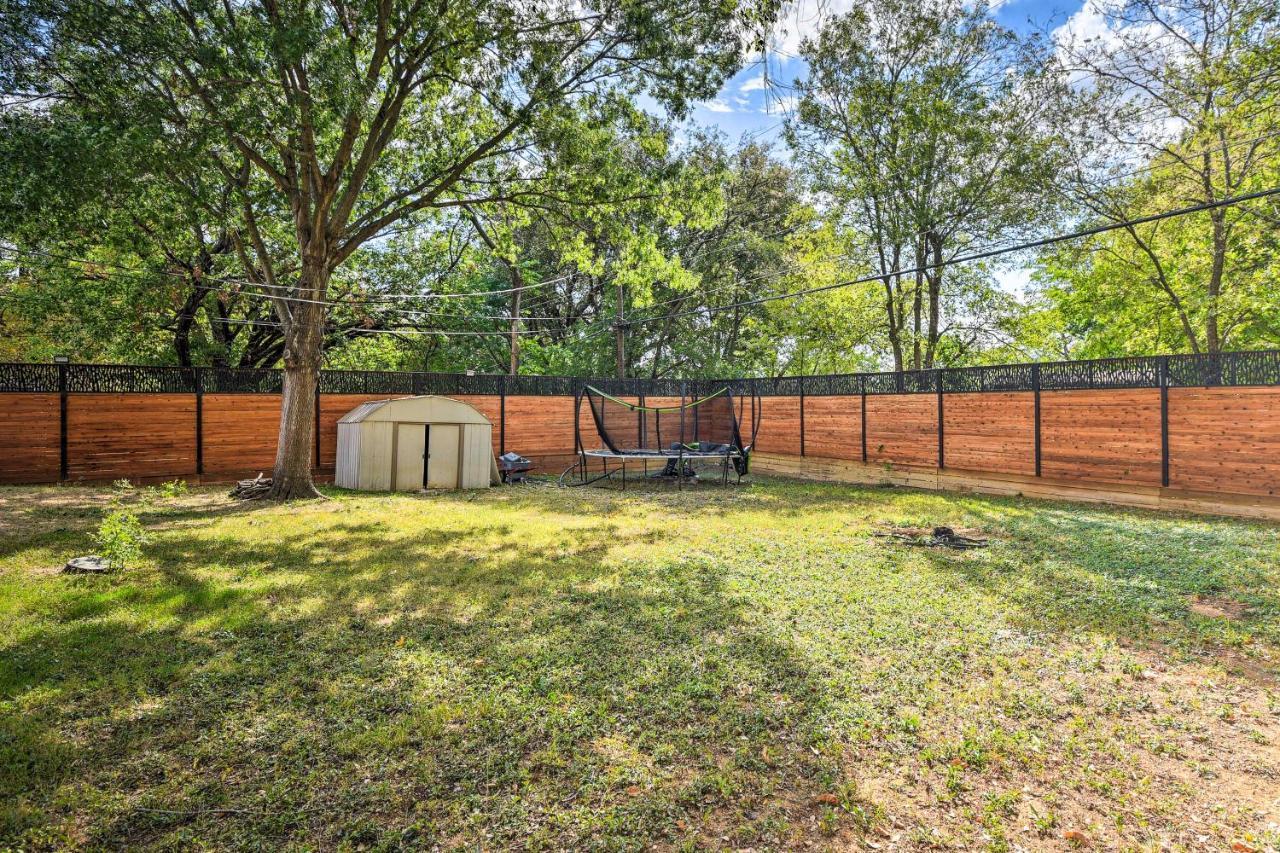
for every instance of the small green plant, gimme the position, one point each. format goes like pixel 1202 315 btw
pixel 167 491
pixel 120 538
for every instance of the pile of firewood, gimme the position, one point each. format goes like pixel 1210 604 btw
pixel 248 490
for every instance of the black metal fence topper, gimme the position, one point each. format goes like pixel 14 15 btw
pixel 1171 371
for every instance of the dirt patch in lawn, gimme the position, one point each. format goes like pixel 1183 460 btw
pixel 1218 607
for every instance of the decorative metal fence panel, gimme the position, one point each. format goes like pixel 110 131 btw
pixel 1223 369
pixel 1234 368
pixel 217 380
pixel 1101 373
pixel 129 379
pixel 29 378
pixel 1000 377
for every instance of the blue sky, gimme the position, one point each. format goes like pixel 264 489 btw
pixel 743 106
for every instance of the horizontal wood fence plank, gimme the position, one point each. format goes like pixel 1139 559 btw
pixel 833 427
pixel 779 425
pixel 1141 497
pixel 990 431
pixel 541 428
pixel 240 433
pixel 130 435
pixel 30 433
pixel 902 429
pixel 1225 439
pixel 1110 436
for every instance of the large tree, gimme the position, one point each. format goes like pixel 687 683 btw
pixel 1184 112
pixel 336 121
pixel 926 127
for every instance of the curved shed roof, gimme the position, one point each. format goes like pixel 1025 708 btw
pixel 426 409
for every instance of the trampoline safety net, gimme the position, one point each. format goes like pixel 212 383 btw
pixel 704 428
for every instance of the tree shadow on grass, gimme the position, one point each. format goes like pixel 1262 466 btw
pixel 783 497
pixel 447 687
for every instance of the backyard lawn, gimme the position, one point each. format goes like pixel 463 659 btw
pixel 723 668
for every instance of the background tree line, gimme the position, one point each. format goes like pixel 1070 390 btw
pixel 922 130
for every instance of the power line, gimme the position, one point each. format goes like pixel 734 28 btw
pixel 976 256
pixel 410 312
pixel 245 282
pixel 788 269
pixel 408 333
pixel 246 286
pixel 399 332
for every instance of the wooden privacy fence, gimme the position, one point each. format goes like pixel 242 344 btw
pixel 1154 431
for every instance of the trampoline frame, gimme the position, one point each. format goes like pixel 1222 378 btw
pixel 681 454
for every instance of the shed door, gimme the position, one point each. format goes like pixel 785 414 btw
pixel 442 456
pixel 411 452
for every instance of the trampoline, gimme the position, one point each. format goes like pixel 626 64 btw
pixel 674 439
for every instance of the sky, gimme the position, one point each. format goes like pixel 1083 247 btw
pixel 746 109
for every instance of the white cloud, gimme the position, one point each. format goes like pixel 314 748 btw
pixel 1091 23
pixel 1091 28
pixel 753 84
pixel 1088 23
pixel 718 106
pixel 802 19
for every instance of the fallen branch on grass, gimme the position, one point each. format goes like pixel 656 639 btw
pixel 943 537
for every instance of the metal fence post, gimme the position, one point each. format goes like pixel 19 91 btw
pixel 316 439
pixel 1164 420
pixel 62 427
pixel 502 415
pixel 862 389
pixel 802 416
pixel 942 458
pixel 197 380
pixel 1035 387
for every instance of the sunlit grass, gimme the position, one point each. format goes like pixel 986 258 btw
pixel 544 668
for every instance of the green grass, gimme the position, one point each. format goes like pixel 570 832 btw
pixel 716 669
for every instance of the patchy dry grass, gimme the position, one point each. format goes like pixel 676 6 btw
pixel 536 668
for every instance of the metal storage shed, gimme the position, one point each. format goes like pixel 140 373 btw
pixel 411 443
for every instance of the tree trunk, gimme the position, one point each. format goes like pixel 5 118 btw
pixel 291 479
pixel 517 281
pixel 917 306
pixel 934 278
pixel 1212 337
pixel 185 322
pixel 620 339
pixel 895 338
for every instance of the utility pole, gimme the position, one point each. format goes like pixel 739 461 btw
pixel 620 335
